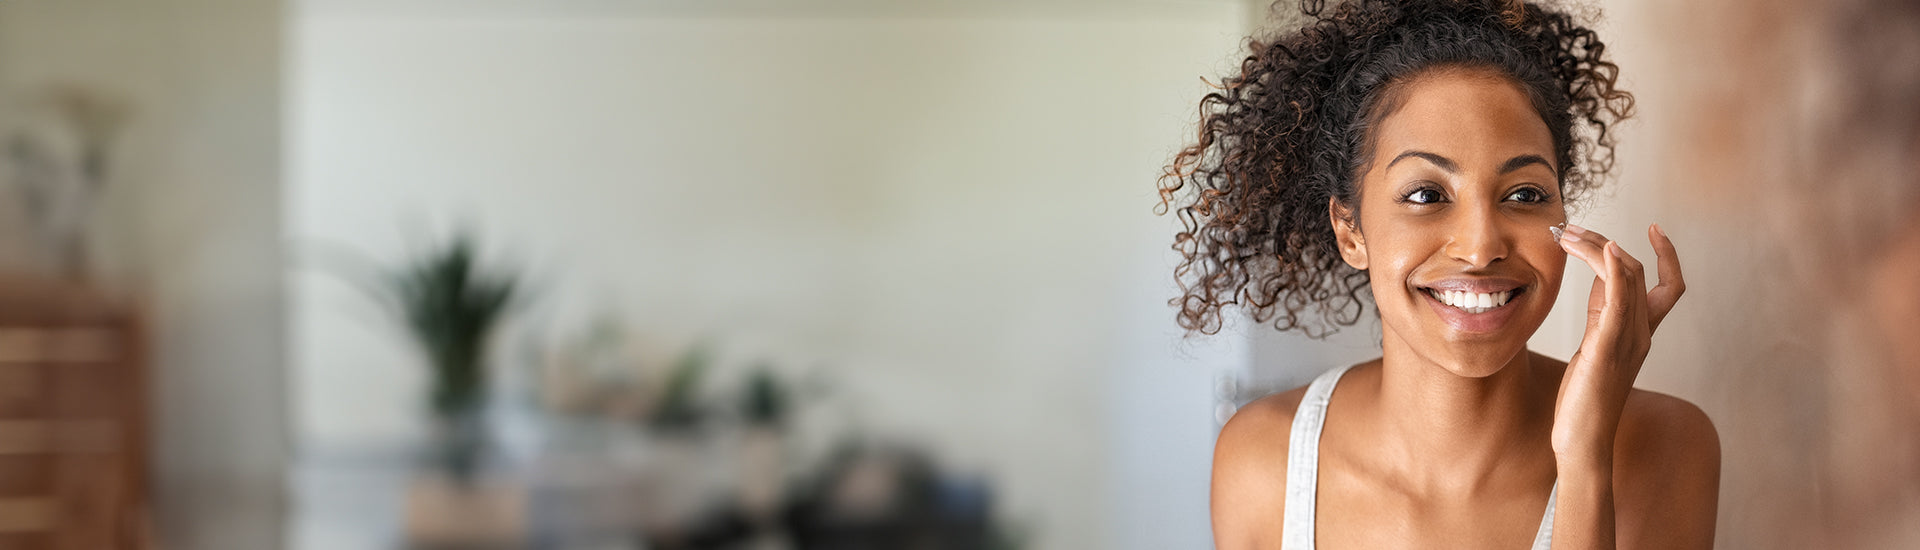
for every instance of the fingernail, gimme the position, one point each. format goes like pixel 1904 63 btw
pixel 1661 230
pixel 1571 228
pixel 1614 249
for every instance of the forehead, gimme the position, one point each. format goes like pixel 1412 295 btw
pixel 1473 117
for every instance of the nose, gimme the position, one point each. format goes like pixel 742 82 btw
pixel 1478 237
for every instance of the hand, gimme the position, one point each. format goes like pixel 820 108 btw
pixel 1621 317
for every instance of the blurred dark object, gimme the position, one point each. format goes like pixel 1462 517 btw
pixel 767 399
pixel 892 498
pixel 73 418
pixel 450 305
pixel 863 498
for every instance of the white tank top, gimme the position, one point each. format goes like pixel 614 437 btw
pixel 1303 469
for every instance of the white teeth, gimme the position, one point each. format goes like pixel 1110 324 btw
pixel 1471 302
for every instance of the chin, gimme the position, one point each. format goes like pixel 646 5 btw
pixel 1479 359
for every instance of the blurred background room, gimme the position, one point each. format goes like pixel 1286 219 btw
pixel 764 274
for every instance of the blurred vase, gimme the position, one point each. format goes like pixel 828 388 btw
pixel 460 441
pixel 762 471
pixel 445 512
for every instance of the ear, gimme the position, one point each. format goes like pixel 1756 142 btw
pixel 1353 245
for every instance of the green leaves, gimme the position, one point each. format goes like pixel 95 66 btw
pixel 450 304
pixel 679 401
pixel 766 400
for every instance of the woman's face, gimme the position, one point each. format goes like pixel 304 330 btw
pixel 1453 223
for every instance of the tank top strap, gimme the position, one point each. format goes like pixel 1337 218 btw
pixel 1303 461
pixel 1543 539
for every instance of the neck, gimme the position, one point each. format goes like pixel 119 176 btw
pixel 1452 433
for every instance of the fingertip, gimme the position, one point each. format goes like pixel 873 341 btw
pixel 1661 231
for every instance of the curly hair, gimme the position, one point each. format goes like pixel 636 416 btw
pixel 1291 131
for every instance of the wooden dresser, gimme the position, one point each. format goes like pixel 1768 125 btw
pixel 73 420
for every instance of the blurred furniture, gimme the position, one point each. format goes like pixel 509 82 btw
pixel 73 416
pixel 464 513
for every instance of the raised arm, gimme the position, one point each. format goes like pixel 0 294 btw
pixel 1636 469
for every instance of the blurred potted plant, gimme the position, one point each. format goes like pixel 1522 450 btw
pixel 764 405
pixel 449 305
pixel 680 447
pixel 679 411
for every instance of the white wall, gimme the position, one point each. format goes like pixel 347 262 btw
pixel 190 230
pixel 949 209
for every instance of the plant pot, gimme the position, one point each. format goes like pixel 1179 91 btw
pixel 460 442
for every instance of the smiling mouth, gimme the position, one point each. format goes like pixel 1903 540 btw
pixel 1474 302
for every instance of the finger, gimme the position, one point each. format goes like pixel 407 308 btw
pixel 1632 285
pixel 1662 298
pixel 1607 307
pixel 1620 293
pixel 1587 246
pixel 1596 307
pixel 1588 235
pixel 1635 272
pixel 1625 266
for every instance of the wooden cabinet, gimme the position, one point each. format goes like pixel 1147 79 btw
pixel 73 420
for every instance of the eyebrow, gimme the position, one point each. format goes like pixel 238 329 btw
pixel 1443 162
pixel 1447 164
pixel 1521 161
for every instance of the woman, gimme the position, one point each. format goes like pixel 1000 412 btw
pixel 1424 153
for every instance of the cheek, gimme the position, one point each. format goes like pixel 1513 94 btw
pixel 1551 263
pixel 1394 252
pixel 1395 244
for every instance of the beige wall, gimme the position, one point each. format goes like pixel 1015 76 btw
pixel 191 229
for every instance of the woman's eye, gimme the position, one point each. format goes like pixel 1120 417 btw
pixel 1528 195
pixel 1424 196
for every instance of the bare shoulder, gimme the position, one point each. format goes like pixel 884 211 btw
pixel 1666 472
pixel 1250 472
pixel 1257 430
pixel 1660 431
